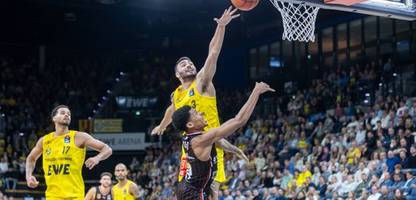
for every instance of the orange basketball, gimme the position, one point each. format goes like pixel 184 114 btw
pixel 245 5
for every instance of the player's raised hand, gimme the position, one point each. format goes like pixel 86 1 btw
pixel 227 16
pixel 158 130
pixel 32 182
pixel 91 162
pixel 240 154
pixel 262 87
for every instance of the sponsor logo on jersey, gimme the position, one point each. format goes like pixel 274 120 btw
pixel 191 92
pixel 48 151
pixel 58 169
pixel 67 139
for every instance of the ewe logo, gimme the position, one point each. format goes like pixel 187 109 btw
pixel 136 102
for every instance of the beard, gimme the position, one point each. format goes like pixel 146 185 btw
pixel 188 77
pixel 121 178
pixel 64 123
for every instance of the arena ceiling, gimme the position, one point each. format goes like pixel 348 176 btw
pixel 131 21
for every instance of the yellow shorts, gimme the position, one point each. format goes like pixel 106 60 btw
pixel 220 173
pixel 57 198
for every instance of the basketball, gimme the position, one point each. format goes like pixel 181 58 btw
pixel 245 5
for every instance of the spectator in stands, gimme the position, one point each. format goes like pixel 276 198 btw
pixel 409 187
pixel 135 165
pixel 392 161
pixel 4 165
pixel 411 160
pixel 11 178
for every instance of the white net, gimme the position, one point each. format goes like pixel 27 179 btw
pixel 298 20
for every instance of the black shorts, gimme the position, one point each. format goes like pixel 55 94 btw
pixel 188 192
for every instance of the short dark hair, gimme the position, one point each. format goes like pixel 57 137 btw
pixel 180 60
pixel 180 117
pixel 55 110
pixel 106 174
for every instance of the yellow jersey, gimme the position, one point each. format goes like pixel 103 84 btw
pixel 303 176
pixel 353 155
pixel 122 193
pixel 62 166
pixel 208 106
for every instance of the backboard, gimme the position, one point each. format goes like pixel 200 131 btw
pixel 396 9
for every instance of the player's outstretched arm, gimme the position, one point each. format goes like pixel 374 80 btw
pixel 90 194
pixel 238 121
pixel 31 163
pixel 167 119
pixel 104 150
pixel 206 74
pixel 228 147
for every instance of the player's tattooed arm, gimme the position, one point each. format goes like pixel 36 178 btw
pixel 228 147
pixel 86 140
pixel 229 127
pixel 134 190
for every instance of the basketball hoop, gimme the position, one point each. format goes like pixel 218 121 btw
pixel 298 20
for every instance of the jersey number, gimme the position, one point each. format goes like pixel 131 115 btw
pixel 65 150
pixel 188 172
pixel 193 104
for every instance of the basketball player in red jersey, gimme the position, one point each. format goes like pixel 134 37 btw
pixel 198 145
pixel 103 191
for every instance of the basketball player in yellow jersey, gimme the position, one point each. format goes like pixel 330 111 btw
pixel 198 91
pixel 63 156
pixel 124 189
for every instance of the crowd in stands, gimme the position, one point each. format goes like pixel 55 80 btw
pixel 323 142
